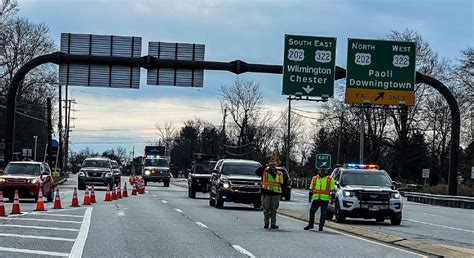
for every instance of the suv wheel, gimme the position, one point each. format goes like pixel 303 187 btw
pixel 257 204
pixel 212 202
pixel 219 202
pixel 81 187
pixel 145 182
pixel 166 183
pixel 191 192
pixel 339 217
pixel 396 220
pixel 380 219
pixel 288 196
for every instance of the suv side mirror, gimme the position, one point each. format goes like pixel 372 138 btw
pixel 79 165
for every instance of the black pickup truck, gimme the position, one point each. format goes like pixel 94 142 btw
pixel 199 175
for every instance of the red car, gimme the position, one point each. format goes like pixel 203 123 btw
pixel 27 177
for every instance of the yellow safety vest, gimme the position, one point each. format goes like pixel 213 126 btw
pixel 272 184
pixel 322 188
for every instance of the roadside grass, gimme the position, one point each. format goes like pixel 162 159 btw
pixel 466 189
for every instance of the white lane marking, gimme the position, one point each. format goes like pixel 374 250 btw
pixel 360 238
pixel 243 251
pixel 38 237
pixel 178 210
pixel 120 213
pixel 44 220
pixel 146 191
pixel 201 224
pixel 429 214
pixel 28 251
pixel 163 201
pixel 300 194
pixel 70 209
pixel 80 242
pixel 37 227
pixel 154 195
pixel 56 215
pixel 436 225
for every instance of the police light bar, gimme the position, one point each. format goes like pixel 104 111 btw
pixel 366 166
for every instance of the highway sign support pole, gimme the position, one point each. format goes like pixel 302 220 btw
pixel 288 137
pixel 361 137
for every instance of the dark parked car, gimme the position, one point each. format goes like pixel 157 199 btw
pixel 234 180
pixel 27 177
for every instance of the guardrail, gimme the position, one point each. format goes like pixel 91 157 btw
pixel 441 200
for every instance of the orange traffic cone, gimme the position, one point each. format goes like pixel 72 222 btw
pixel 75 201
pixel 114 193
pixel 108 198
pixel 2 207
pixel 16 204
pixel 93 195
pixel 87 200
pixel 57 200
pixel 134 189
pixel 119 192
pixel 40 202
pixel 125 192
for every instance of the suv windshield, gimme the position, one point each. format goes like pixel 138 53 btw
pixel 96 163
pixel 204 168
pixel 28 169
pixel 239 169
pixel 369 178
pixel 156 163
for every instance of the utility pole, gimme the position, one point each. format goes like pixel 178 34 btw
pixel 36 145
pixel 66 149
pixel 288 137
pixel 50 130
pixel 65 139
pixel 59 158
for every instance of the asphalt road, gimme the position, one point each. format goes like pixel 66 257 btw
pixel 165 222
pixel 422 222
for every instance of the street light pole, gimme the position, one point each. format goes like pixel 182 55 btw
pixel 36 144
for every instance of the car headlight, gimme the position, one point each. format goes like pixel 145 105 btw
pixel 33 181
pixel 3 180
pixel 349 193
pixel 147 172
pixel 108 174
pixel 396 195
pixel 81 174
pixel 226 185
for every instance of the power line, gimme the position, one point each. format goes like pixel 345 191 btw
pixel 26 115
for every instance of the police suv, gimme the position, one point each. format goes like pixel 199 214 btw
pixel 364 191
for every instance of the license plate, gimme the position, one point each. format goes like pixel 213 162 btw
pixel 374 207
pixel 95 174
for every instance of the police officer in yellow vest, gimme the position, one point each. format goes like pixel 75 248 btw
pixel 319 196
pixel 272 181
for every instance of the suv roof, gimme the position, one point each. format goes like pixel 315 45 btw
pixel 359 170
pixel 239 161
pixel 97 158
pixel 27 162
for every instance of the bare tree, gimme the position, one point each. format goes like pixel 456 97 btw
pixel 166 134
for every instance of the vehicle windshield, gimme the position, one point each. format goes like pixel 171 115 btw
pixel 239 169
pixel 204 168
pixel 25 169
pixel 156 163
pixel 96 163
pixel 370 179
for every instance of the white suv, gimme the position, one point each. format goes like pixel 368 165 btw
pixel 365 191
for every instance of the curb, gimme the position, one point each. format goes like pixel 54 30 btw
pixel 413 245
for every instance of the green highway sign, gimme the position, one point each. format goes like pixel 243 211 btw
pixel 380 72
pixel 323 160
pixel 309 66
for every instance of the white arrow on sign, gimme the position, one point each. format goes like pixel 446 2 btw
pixel 323 164
pixel 308 89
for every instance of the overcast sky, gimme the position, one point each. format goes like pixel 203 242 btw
pixel 248 30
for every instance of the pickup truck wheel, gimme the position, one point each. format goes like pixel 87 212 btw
pixel 49 197
pixel 380 219
pixel 81 187
pixel 396 220
pixel 166 183
pixel 146 182
pixel 212 202
pixel 257 204
pixel 191 192
pixel 339 217
pixel 219 202
pixel 329 215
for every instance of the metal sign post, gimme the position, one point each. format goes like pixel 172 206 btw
pixel 425 174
